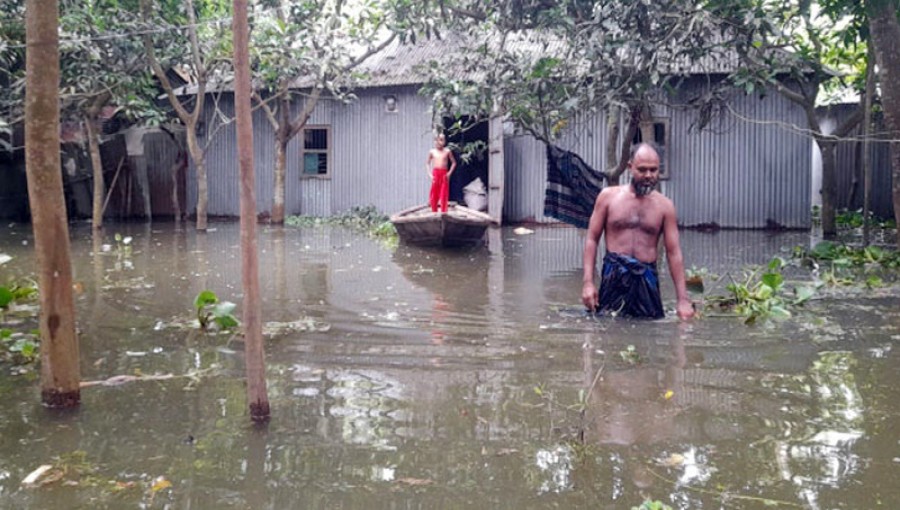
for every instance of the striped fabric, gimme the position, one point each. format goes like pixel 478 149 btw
pixel 572 187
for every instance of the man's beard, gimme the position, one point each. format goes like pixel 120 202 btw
pixel 643 188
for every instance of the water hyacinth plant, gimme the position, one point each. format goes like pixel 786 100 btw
pixel 759 296
pixel 214 313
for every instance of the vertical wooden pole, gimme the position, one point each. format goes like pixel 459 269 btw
pixel 60 375
pixel 866 148
pixel 257 395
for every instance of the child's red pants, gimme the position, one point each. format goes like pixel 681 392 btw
pixel 440 189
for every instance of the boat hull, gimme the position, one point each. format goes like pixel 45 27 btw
pixel 459 226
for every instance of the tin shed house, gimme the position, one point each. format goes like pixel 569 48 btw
pixel 742 171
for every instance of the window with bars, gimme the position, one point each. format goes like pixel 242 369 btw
pixel 316 151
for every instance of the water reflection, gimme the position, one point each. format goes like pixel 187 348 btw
pixel 421 392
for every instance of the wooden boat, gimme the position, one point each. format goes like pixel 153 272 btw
pixel 459 226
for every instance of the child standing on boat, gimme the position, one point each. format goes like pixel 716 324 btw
pixel 439 159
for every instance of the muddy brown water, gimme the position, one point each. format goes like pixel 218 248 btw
pixel 428 379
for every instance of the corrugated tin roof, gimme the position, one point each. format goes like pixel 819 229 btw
pixel 409 64
pixel 406 64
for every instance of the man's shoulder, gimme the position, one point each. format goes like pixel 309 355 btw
pixel 612 190
pixel 662 202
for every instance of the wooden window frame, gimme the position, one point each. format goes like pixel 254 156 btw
pixel 328 152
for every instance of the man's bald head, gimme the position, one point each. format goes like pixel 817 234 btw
pixel 644 149
pixel 644 166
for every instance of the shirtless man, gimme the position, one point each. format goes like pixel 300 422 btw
pixel 436 165
pixel 634 217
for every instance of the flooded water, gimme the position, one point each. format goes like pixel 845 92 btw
pixel 421 379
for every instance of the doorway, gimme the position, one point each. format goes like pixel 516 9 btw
pixel 473 166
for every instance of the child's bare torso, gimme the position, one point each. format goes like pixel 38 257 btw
pixel 440 158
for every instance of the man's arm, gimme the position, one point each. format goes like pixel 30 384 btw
pixel 684 308
pixel 428 163
pixel 591 240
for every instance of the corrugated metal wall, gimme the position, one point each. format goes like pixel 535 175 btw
pixel 526 166
pixel 160 152
pixel 382 155
pixel 742 173
pixel 849 163
pixel 526 178
pixel 378 158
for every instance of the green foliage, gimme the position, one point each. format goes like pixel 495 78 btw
pixel 630 355
pixel 20 291
pixel 19 348
pixel 652 505
pixel 123 245
pixel 854 219
pixel 210 311
pixel 845 256
pixel 694 278
pixel 366 219
pixel 548 65
pixel 761 294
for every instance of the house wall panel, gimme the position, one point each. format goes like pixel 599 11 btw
pixel 381 156
pixel 377 157
pixel 744 171
pixel 849 165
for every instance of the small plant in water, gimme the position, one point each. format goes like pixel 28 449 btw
pixel 123 245
pixel 366 219
pixel 694 278
pixel 844 256
pixel 854 219
pixel 19 348
pixel 630 355
pixel 211 311
pixel 652 505
pixel 21 291
pixel 759 297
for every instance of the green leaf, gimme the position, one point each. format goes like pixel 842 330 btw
pixel 6 297
pixel 224 308
pixel 776 264
pixel 764 292
pixel 874 282
pixel 226 321
pixel 773 280
pixel 206 297
pixel 779 312
pixel 803 294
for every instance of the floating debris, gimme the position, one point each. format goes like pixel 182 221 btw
pixel 306 324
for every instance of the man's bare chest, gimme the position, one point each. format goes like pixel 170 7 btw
pixel 634 218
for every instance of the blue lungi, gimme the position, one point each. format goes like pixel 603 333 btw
pixel 630 288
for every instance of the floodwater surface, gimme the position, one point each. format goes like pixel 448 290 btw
pixel 408 378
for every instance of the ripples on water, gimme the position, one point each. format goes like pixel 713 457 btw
pixel 434 379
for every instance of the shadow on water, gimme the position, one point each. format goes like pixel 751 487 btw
pixel 434 379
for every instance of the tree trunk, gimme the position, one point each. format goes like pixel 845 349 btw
pixel 866 154
pixel 829 186
pixel 634 122
pixel 59 343
pixel 179 166
pixel 885 36
pixel 612 143
pixel 93 137
pixel 257 396
pixel 854 178
pixel 280 172
pixel 197 156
